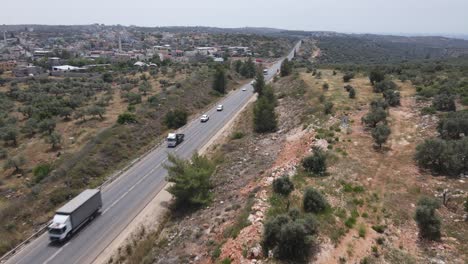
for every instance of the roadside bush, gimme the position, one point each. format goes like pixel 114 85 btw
pixel 126 118
pixel 175 119
pixel 385 85
pixel 378 103
pixel 191 180
pixel 286 68
pixel 3 153
pixel 41 171
pixel 54 139
pixel 283 185
pixel 107 77
pixel 293 242
pixel 376 76
pixel 443 157
pixel 428 222
pixel 352 93
pixel 392 97
pixel 453 125
pixel 429 110
pixel 271 232
pixel 289 239
pixel 380 134
pixel 348 76
pixel 133 98
pixel 9 133
pixel 325 86
pixel 60 195
pixel 444 102
pixel 313 201
pixel 47 125
pixel 237 135
pixel 328 108
pixel 16 162
pixel 374 117
pixel 316 163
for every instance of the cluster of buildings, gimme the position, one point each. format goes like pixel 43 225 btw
pixel 29 52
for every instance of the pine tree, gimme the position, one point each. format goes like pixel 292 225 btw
pixel 219 83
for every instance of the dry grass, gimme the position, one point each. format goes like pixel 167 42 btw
pixel 392 182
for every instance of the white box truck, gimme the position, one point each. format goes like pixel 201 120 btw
pixel 70 217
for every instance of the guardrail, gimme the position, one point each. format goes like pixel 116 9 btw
pixel 25 242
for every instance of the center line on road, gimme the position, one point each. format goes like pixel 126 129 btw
pixel 56 253
pixel 131 188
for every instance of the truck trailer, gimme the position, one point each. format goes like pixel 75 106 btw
pixel 70 217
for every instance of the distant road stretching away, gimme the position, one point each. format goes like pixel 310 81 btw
pixel 124 198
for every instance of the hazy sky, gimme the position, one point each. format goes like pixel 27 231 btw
pixel 370 16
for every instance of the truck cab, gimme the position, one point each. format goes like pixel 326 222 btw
pixel 60 228
pixel 174 139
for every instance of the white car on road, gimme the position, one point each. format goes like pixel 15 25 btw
pixel 204 118
pixel 219 108
pixel 244 89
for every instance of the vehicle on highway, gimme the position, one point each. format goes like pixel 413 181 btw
pixel 70 217
pixel 244 89
pixel 204 118
pixel 265 71
pixel 219 108
pixel 174 139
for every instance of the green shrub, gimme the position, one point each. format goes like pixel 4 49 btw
pixel 348 76
pixel 41 171
pixel 444 102
pixel 443 157
pixel 313 201
pixel 350 222
pixel 283 185
pixel 362 231
pixel 60 195
pixel 328 108
pixel 428 110
pixel 374 117
pixel 316 163
pixel 352 93
pixel 293 242
pixel 427 220
pixel 216 252
pixel 453 125
pixel 385 85
pixel 237 135
pixel 126 118
pixel 175 119
pixel 271 232
pixel 380 134
pixel 379 228
pixel 226 261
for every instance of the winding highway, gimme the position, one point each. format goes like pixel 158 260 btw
pixel 125 197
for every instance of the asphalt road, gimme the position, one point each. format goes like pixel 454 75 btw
pixel 124 198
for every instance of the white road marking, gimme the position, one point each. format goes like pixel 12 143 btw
pixel 56 253
pixel 133 186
